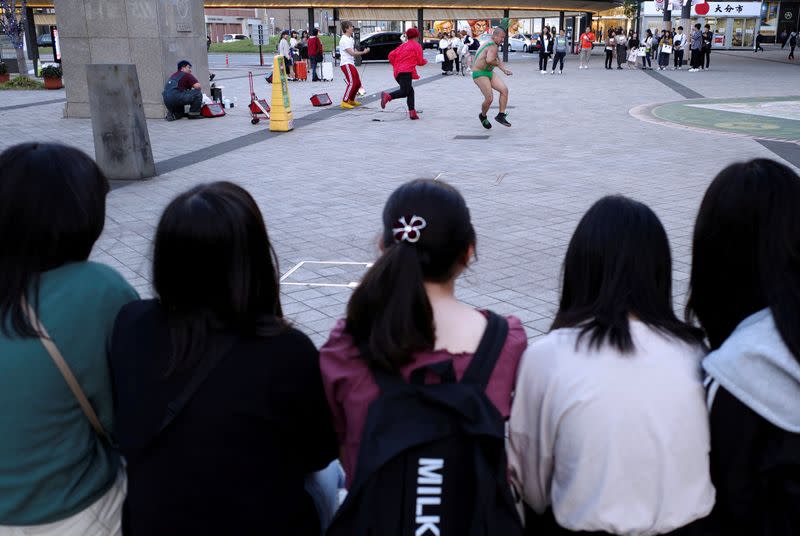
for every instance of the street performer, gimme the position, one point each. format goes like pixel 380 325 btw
pixel 486 60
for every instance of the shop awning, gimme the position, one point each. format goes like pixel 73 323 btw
pixel 454 9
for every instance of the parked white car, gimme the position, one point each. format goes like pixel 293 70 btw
pixel 516 43
pixel 230 38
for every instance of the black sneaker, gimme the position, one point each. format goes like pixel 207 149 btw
pixel 194 115
pixel 484 121
pixel 170 117
pixel 501 118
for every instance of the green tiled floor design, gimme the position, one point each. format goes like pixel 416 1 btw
pixel 759 126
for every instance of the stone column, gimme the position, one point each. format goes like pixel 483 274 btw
pixel 151 34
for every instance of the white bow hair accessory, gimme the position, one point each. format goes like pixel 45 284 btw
pixel 410 231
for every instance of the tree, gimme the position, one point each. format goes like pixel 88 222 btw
pixel 630 8
pixel 12 24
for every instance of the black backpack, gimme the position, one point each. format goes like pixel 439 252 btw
pixel 432 460
pixel 172 84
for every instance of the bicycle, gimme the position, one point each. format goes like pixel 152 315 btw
pixel 463 62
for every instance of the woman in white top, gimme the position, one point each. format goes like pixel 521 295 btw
pixel 285 50
pixel 444 45
pixel 456 44
pixel 609 429
pixel 466 41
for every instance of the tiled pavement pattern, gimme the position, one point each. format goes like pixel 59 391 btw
pixel 322 187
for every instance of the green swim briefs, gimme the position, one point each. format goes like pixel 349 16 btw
pixel 478 74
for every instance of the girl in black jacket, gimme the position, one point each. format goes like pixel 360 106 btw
pixel 546 42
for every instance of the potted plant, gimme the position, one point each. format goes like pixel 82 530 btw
pixel 4 76
pixel 52 77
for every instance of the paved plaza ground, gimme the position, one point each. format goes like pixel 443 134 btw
pixel 574 138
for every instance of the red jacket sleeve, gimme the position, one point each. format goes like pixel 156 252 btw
pixel 393 55
pixel 420 58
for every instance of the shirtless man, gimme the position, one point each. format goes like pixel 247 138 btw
pixel 483 74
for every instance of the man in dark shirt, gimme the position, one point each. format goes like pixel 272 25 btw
pixel 181 89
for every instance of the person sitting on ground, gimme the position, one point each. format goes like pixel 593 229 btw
pixel 60 477
pixel 609 431
pixel 405 324
pixel 183 89
pixel 745 293
pixel 247 437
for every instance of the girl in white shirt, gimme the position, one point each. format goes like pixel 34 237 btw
pixel 609 429
pixel 444 46
pixel 456 44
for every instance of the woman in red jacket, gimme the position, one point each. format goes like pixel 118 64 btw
pixel 405 59
pixel 315 53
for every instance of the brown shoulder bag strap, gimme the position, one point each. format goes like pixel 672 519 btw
pixel 69 377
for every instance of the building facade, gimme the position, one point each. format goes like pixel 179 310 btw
pixel 735 24
pixel 221 21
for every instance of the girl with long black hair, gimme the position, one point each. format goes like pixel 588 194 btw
pixel 405 314
pixel 745 292
pixel 235 456
pixel 59 476
pixel 609 429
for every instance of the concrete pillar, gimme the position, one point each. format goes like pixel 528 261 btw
pixel 588 20
pixel 667 19
pixel 311 20
pixel 153 35
pixel 121 141
pixel 561 21
pixel 420 23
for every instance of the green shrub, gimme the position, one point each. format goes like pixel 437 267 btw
pixel 22 82
pixel 52 71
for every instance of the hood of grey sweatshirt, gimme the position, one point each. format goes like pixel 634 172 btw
pixel 756 367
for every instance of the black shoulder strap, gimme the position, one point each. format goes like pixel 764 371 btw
pixel 485 358
pixel 211 361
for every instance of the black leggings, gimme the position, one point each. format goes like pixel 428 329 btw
pixel 707 56
pixel 406 90
pixel 559 57
pixel 543 58
pixel 609 58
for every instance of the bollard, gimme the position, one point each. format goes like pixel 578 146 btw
pixel 226 60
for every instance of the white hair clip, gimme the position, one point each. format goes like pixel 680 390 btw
pixel 410 231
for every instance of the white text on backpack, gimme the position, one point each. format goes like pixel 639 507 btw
pixel 429 493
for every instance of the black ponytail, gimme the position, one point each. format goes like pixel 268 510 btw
pixel 389 315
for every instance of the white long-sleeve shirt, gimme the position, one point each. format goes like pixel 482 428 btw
pixel 611 442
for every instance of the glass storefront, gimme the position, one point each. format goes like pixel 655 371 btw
pixel 769 20
pixel 744 32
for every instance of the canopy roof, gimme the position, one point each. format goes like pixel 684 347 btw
pixel 520 8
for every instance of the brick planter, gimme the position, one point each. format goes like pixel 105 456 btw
pixel 4 78
pixel 53 83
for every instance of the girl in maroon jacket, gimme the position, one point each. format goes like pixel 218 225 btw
pixel 315 53
pixel 405 59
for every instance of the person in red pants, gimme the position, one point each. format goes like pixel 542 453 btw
pixel 405 59
pixel 348 53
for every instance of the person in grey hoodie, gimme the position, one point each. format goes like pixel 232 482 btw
pixel 561 46
pixel 745 293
